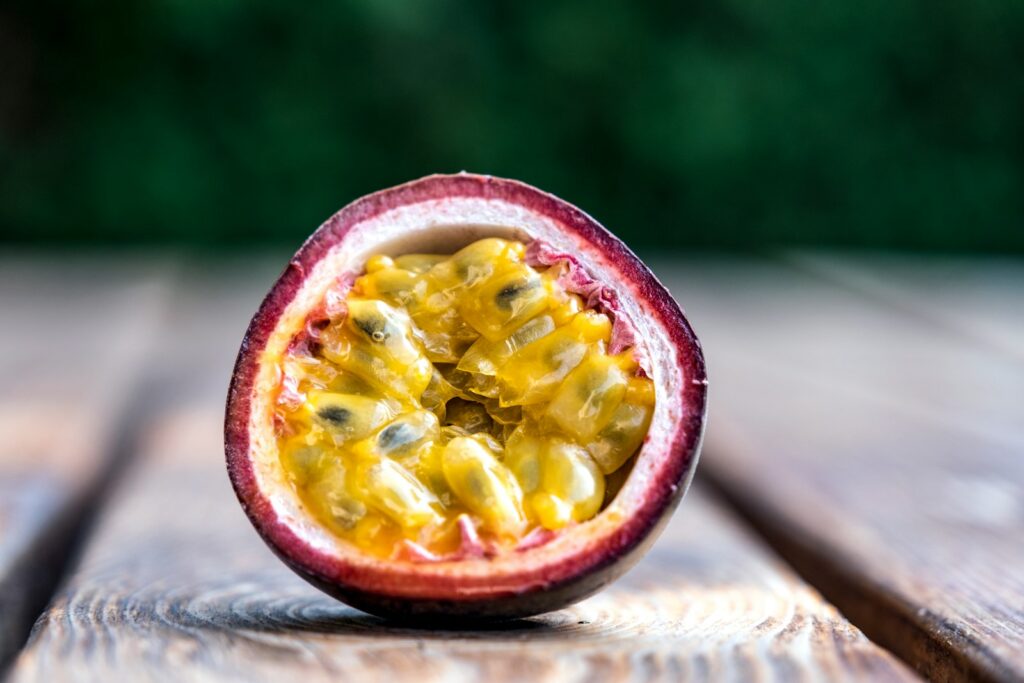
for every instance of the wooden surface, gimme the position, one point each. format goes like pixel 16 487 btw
pixel 69 353
pixel 978 301
pixel 878 440
pixel 877 449
pixel 194 595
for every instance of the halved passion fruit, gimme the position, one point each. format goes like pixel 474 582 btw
pixel 464 398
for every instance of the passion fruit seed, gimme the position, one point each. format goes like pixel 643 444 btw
pixel 345 417
pixel 484 485
pixel 404 437
pixel 393 491
pixel 471 384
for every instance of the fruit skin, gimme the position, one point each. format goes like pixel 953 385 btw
pixel 444 593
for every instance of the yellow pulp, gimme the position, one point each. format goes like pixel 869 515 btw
pixel 470 384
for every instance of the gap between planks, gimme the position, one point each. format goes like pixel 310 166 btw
pixel 803 367
pixel 65 410
pixel 937 651
pixel 104 380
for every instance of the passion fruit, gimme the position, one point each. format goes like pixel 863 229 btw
pixel 464 399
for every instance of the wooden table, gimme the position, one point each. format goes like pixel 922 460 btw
pixel 858 514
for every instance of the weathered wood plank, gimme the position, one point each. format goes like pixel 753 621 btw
pixel 175 585
pixel 74 332
pixel 881 453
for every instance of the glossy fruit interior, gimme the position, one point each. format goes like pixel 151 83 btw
pixel 460 406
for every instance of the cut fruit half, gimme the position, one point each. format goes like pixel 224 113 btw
pixel 464 398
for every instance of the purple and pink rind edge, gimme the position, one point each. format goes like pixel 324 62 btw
pixel 570 579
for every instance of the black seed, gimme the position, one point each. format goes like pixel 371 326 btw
pixel 396 435
pixel 336 415
pixel 504 298
pixel 375 328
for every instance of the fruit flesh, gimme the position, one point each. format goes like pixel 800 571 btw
pixel 462 402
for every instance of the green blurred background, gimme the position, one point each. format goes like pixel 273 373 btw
pixel 717 123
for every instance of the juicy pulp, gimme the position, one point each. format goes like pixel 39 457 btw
pixel 460 403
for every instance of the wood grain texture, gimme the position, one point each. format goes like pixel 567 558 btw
pixel 880 451
pixel 175 585
pixel 74 331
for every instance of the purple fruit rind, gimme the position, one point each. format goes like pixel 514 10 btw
pixel 393 589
